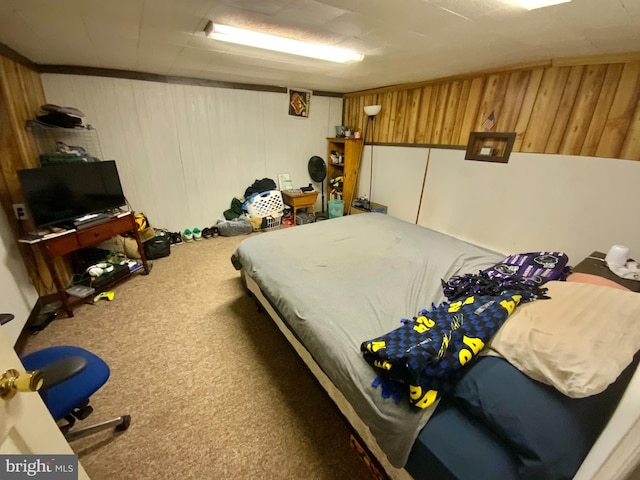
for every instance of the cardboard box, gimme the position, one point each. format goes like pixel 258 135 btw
pixel 375 207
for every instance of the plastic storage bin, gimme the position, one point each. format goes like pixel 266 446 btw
pixel 336 208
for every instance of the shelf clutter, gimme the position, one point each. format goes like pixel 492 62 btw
pixel 343 167
pixel 61 135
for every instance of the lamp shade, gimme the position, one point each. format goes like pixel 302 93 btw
pixel 372 110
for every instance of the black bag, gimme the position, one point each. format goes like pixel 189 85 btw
pixel 260 186
pixel 157 247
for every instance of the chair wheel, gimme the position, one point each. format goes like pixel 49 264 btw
pixel 126 421
pixel 83 412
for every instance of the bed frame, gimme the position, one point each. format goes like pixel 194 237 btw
pixel 614 456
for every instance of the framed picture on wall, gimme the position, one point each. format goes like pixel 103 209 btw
pixel 299 103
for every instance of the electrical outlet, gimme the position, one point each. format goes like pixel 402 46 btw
pixel 20 211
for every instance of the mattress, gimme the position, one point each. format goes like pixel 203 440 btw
pixel 340 282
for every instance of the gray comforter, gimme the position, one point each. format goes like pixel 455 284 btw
pixel 343 281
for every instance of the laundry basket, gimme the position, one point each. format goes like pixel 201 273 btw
pixel 336 208
pixel 265 204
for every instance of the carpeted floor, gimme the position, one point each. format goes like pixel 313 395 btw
pixel 213 388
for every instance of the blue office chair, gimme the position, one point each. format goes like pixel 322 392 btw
pixel 70 375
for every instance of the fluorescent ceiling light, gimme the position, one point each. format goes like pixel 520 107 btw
pixel 533 4
pixel 240 36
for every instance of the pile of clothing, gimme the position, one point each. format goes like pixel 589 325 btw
pixel 57 116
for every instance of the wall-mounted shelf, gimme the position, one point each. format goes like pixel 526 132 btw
pixel 490 146
pixel 46 138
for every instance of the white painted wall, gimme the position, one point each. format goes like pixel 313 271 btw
pixel 397 174
pixel 183 152
pixel 534 202
pixel 17 295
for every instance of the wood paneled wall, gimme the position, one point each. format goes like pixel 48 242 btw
pixel 21 95
pixel 572 108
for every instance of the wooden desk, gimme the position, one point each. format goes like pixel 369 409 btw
pixel 87 237
pixel 300 200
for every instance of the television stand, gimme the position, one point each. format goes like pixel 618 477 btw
pixel 86 237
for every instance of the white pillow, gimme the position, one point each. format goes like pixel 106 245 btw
pixel 579 341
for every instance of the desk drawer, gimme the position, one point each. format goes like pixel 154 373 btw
pixel 93 235
pixel 90 236
pixel 62 245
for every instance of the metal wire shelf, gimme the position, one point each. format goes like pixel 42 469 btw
pixel 47 138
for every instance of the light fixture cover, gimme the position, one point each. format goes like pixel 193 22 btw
pixel 372 110
pixel 250 38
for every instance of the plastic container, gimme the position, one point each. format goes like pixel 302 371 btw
pixel 272 221
pixel 336 208
pixel 265 204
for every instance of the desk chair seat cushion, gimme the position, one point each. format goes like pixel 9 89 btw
pixel 61 399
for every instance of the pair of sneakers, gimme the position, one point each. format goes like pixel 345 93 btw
pixel 191 235
pixel 175 238
pixel 209 232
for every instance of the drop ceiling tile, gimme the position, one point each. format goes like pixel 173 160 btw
pixel 471 10
pixel 632 7
pixel 123 28
pixel 183 15
pixel 154 53
pixel 122 10
pixel 414 15
pixel 592 12
pixel 192 58
pixel 351 24
pixel 166 36
pixel 308 12
pixel 606 40
pixel 264 7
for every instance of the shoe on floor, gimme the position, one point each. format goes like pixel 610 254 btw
pixel 187 235
pixel 207 232
pixel 176 238
pixel 197 234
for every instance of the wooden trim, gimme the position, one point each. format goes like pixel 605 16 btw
pixel 11 54
pixel 419 145
pixel 623 57
pixel 424 182
pixel 26 329
pixel 322 93
pixel 174 80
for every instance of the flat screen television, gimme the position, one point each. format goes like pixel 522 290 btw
pixel 58 194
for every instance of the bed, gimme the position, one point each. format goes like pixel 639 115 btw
pixel 332 285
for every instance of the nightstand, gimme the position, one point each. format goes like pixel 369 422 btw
pixel 300 200
pixel 594 264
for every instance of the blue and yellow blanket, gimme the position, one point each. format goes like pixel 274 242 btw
pixel 421 357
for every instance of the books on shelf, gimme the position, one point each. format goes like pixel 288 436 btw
pixel 134 266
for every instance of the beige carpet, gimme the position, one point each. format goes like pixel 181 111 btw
pixel 213 388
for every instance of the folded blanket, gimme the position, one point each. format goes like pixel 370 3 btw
pixel 422 356
pixel 522 272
